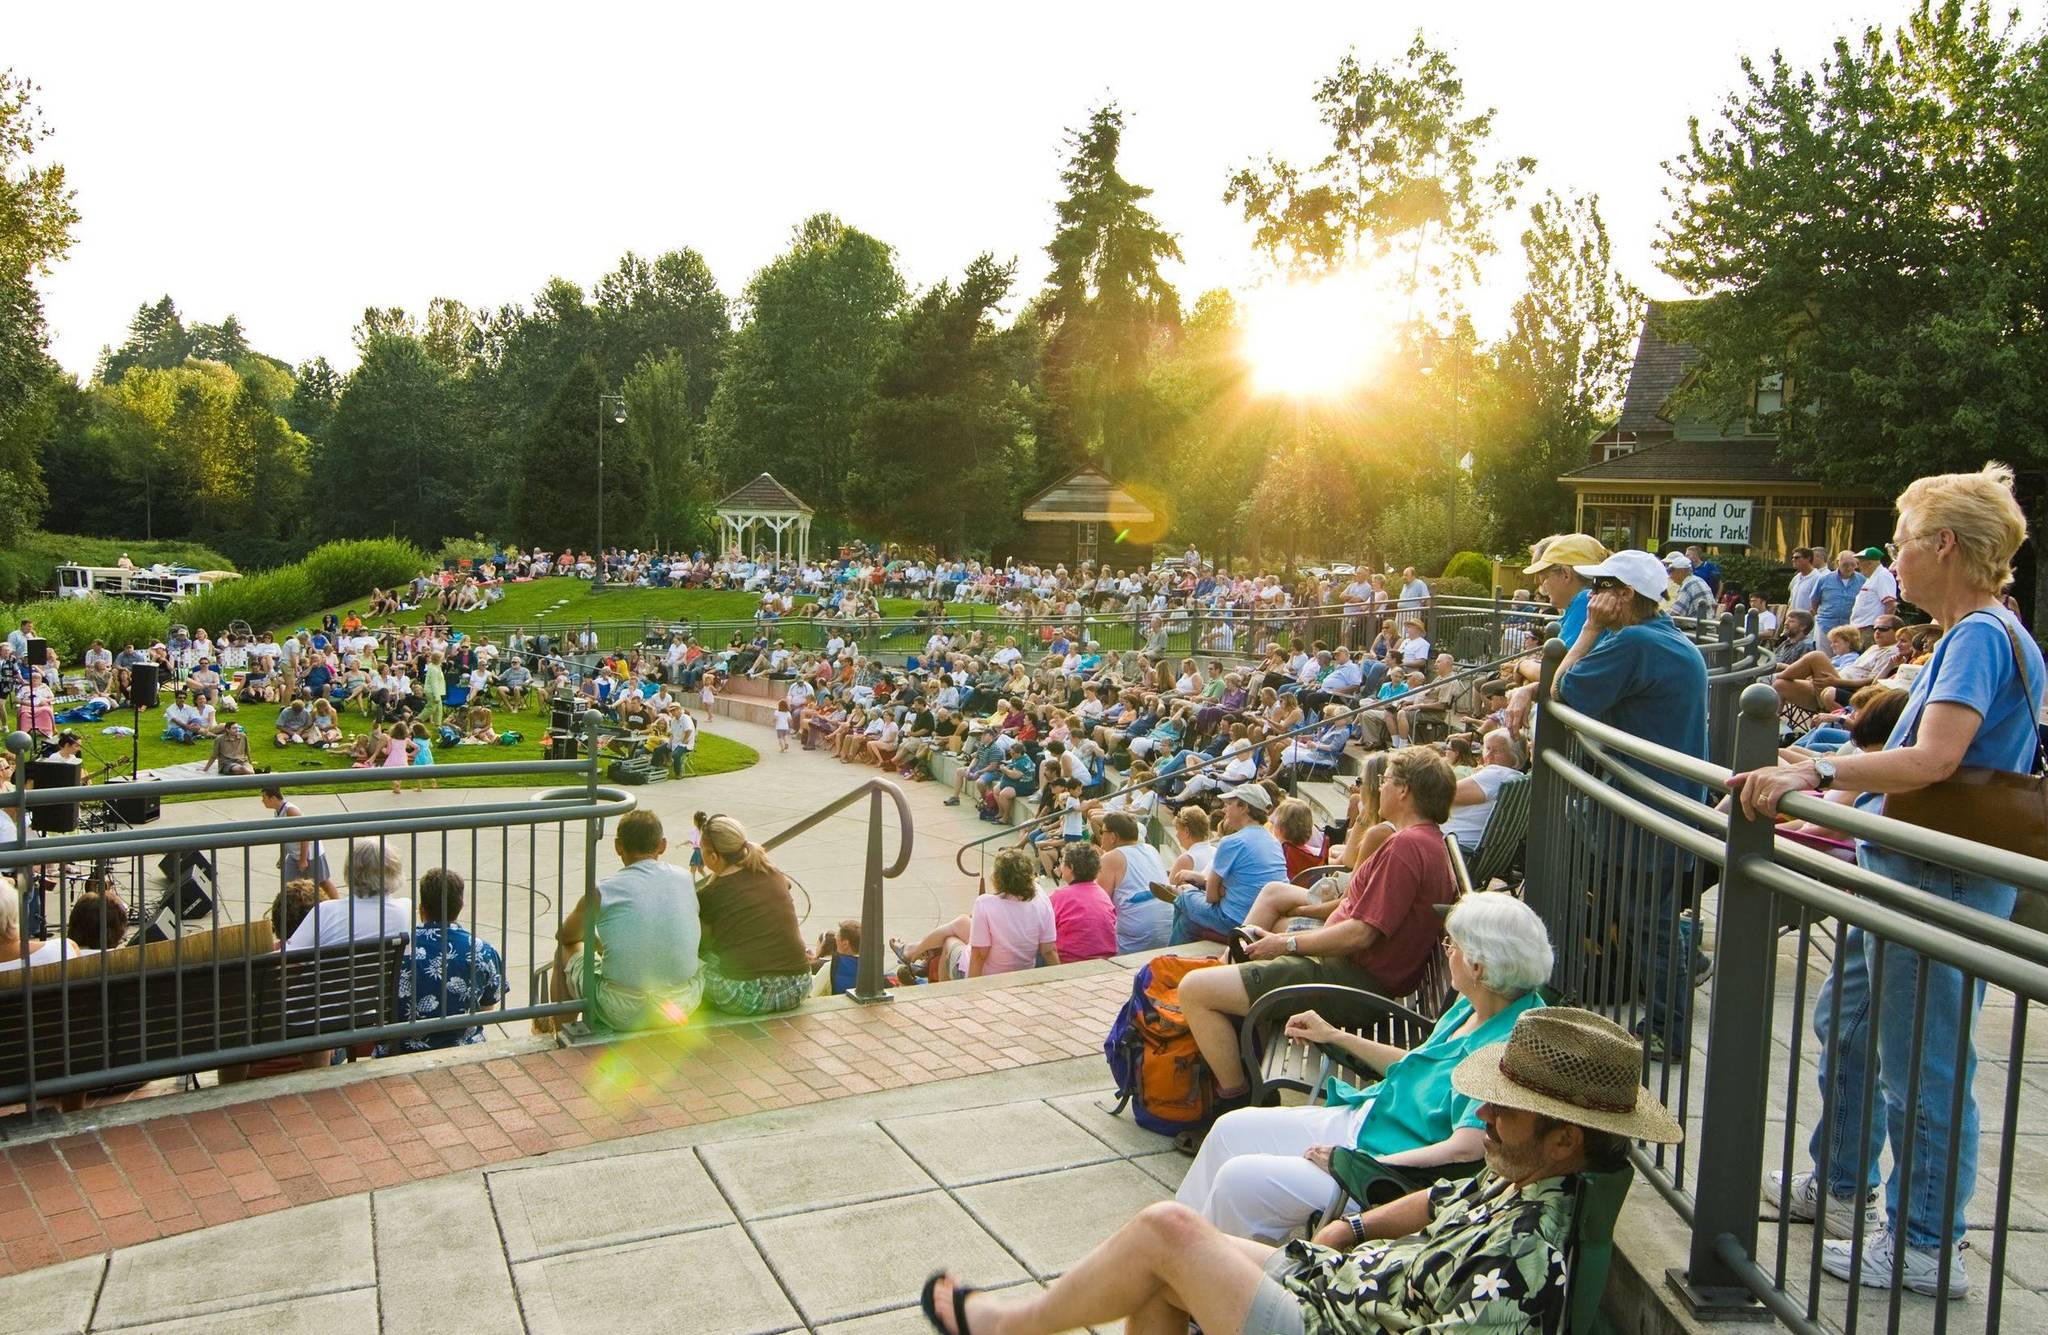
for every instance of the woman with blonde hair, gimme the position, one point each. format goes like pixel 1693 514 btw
pixel 752 951
pixel 1975 704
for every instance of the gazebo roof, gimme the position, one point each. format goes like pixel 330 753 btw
pixel 764 495
pixel 1088 496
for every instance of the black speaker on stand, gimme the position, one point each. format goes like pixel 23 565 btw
pixel 53 774
pixel 141 696
pixel 36 652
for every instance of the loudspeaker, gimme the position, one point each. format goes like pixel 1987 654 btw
pixel 135 810
pixel 562 746
pixel 185 896
pixel 53 774
pixel 142 685
pixel 37 654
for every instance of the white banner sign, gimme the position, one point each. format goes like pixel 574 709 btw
pixel 1710 519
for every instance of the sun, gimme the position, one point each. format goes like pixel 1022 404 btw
pixel 1314 338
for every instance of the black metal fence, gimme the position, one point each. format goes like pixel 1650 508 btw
pixel 1760 967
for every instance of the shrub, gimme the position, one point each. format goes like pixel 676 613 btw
pixel 340 571
pixel 72 624
pixel 272 598
pixel 1472 566
pixel 460 549
pixel 1753 574
pixel 1457 586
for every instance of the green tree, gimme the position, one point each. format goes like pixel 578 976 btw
pixel 662 421
pixel 937 448
pixel 1555 381
pixel 1107 308
pixel 316 388
pixel 450 336
pixel 36 218
pixel 225 342
pixel 157 340
pixel 392 461
pixel 670 306
pixel 1870 230
pixel 555 490
pixel 1405 181
pixel 1216 433
pixel 798 374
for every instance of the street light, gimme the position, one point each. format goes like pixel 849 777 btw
pixel 618 415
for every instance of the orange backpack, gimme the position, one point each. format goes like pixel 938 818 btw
pixel 1158 1069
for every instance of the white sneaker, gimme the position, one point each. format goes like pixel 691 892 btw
pixel 1804 1203
pixel 1922 1270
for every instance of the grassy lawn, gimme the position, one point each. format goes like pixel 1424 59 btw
pixel 714 754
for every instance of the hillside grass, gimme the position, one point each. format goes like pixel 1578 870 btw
pixel 29 570
pixel 714 754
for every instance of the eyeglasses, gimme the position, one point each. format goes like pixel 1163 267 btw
pixel 1896 547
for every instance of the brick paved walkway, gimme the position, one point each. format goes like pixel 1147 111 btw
pixel 86 1193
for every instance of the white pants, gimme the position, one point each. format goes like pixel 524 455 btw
pixel 1250 1179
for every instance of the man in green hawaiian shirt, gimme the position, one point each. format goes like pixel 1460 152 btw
pixel 1559 1098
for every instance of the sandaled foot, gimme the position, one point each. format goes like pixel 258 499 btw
pixel 932 1301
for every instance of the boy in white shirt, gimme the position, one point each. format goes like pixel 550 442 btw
pixel 782 725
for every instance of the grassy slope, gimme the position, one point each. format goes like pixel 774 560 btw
pixel 714 755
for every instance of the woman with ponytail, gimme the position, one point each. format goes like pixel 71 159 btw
pixel 752 951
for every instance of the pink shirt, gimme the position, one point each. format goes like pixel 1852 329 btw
pixel 1012 930
pixel 1086 920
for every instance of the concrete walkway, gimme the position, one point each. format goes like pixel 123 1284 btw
pixel 822 1218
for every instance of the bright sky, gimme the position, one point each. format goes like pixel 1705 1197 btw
pixel 293 164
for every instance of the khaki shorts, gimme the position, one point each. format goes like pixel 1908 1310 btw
pixel 624 1009
pixel 1262 976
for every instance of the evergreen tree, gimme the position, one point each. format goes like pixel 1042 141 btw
pixel 157 340
pixel 315 391
pixel 937 449
pixel 392 460
pixel 1107 307
pixel 555 490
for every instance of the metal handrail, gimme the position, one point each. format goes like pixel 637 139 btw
pixel 1391 702
pixel 868 987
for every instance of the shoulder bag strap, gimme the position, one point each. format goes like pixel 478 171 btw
pixel 2019 664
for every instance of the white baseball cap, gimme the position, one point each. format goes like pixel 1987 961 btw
pixel 1639 570
pixel 1251 794
pixel 1678 561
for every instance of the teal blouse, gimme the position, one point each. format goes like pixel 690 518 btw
pixel 1413 1104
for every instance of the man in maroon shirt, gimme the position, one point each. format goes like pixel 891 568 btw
pixel 1380 937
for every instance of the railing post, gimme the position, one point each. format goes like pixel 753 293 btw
pixel 1545 888
pixel 867 985
pixel 1736 1095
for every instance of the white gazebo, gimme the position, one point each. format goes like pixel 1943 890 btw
pixel 761 507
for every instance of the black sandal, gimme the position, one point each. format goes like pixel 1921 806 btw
pixel 928 1300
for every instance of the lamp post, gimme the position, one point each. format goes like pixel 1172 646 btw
pixel 617 412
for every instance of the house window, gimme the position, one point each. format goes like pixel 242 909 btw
pixel 1615 450
pixel 1084 542
pixel 1770 395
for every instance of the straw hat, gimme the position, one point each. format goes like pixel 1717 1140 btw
pixel 1572 1065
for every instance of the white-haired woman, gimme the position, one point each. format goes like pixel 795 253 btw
pixel 1974 704
pixel 371 911
pixel 1262 1172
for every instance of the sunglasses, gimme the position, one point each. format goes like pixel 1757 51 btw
pixel 1606 582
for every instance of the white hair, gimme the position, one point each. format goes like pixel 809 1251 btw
pixel 1502 936
pixel 375 869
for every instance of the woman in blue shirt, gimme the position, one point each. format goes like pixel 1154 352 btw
pixel 1262 1172
pixel 1974 704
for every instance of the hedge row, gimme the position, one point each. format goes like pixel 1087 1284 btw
pixel 331 574
pixel 72 624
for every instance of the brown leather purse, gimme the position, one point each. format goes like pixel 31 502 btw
pixel 1989 806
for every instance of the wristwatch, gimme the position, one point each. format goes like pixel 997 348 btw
pixel 1293 944
pixel 1824 769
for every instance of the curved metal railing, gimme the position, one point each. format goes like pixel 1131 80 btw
pixel 868 987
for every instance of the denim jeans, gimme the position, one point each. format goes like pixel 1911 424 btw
pixel 1844 1051
pixel 1196 919
pixel 1826 737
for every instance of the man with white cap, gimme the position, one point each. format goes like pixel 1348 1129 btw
pixel 1690 597
pixel 1561 1098
pixel 1247 857
pixel 1633 669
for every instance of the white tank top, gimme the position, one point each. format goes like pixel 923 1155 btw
pixel 1143 921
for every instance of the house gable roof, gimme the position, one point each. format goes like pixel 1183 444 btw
pixel 1660 367
pixel 1088 495
pixel 764 494
pixel 1695 461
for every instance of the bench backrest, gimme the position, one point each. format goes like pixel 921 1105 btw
pixel 184 1002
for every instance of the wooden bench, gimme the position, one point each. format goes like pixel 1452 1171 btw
pixel 185 1002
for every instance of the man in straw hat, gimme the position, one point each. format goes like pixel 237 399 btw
pixel 1560 1098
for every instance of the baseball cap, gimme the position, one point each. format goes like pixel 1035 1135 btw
pixel 1678 561
pixel 1566 549
pixel 1639 570
pixel 1871 554
pixel 1250 794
